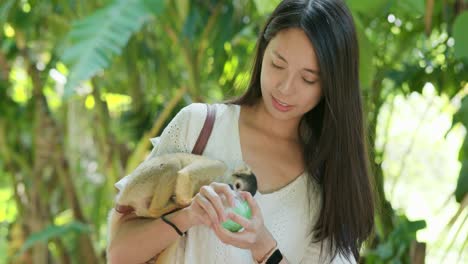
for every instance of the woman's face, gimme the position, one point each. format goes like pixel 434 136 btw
pixel 290 75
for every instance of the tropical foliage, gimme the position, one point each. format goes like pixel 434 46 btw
pixel 85 84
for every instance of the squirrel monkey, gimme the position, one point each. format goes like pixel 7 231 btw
pixel 168 182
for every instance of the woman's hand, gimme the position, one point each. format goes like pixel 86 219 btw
pixel 255 236
pixel 207 205
pixel 207 209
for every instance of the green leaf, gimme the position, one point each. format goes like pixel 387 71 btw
pixel 4 11
pixel 417 8
pixel 51 232
pixel 462 182
pixel 96 39
pixel 155 6
pixel 366 6
pixel 461 116
pixel 265 7
pixel 460 36
pixel 183 7
pixel 414 226
pixel 366 53
pixel 193 24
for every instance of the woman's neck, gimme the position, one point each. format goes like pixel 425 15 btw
pixel 258 117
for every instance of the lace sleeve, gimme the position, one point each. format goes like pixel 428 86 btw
pixel 174 136
pixel 173 139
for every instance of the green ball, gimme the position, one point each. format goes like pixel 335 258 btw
pixel 242 209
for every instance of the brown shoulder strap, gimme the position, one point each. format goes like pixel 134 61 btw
pixel 206 130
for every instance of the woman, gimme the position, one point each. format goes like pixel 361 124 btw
pixel 299 127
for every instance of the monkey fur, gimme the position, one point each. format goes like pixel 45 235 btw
pixel 168 182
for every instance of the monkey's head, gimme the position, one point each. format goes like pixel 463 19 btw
pixel 244 180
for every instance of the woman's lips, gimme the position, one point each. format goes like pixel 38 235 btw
pixel 280 106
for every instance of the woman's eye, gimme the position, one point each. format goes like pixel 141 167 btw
pixel 309 82
pixel 276 66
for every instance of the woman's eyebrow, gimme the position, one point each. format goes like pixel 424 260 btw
pixel 306 69
pixel 312 71
pixel 279 56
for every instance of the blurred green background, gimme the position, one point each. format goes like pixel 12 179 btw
pixel 85 84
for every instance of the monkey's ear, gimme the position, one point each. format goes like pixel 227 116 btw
pixel 243 169
pixel 124 209
pixel 148 202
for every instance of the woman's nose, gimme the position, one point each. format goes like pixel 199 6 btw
pixel 287 86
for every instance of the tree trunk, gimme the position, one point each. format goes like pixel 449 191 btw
pixel 417 252
pixel 49 162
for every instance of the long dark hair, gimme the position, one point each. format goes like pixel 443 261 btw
pixel 335 152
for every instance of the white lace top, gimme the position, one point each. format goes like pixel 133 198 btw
pixel 286 212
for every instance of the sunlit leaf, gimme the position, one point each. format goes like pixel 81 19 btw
pixel 366 53
pixel 51 232
pixel 462 182
pixel 265 7
pixel 461 116
pixel 183 7
pixel 366 5
pixel 4 10
pixel 414 7
pixel 460 36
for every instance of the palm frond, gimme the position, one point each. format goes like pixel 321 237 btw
pixel 96 39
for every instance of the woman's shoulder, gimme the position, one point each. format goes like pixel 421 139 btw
pixel 193 117
pixel 198 111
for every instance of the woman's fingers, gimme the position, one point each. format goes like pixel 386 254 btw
pixel 223 234
pixel 209 193
pixel 224 189
pixel 252 204
pixel 244 222
pixel 206 221
pixel 239 239
pixel 207 207
pixel 210 200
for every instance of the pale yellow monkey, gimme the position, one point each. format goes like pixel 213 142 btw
pixel 168 182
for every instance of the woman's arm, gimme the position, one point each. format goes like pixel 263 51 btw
pixel 265 247
pixel 137 240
